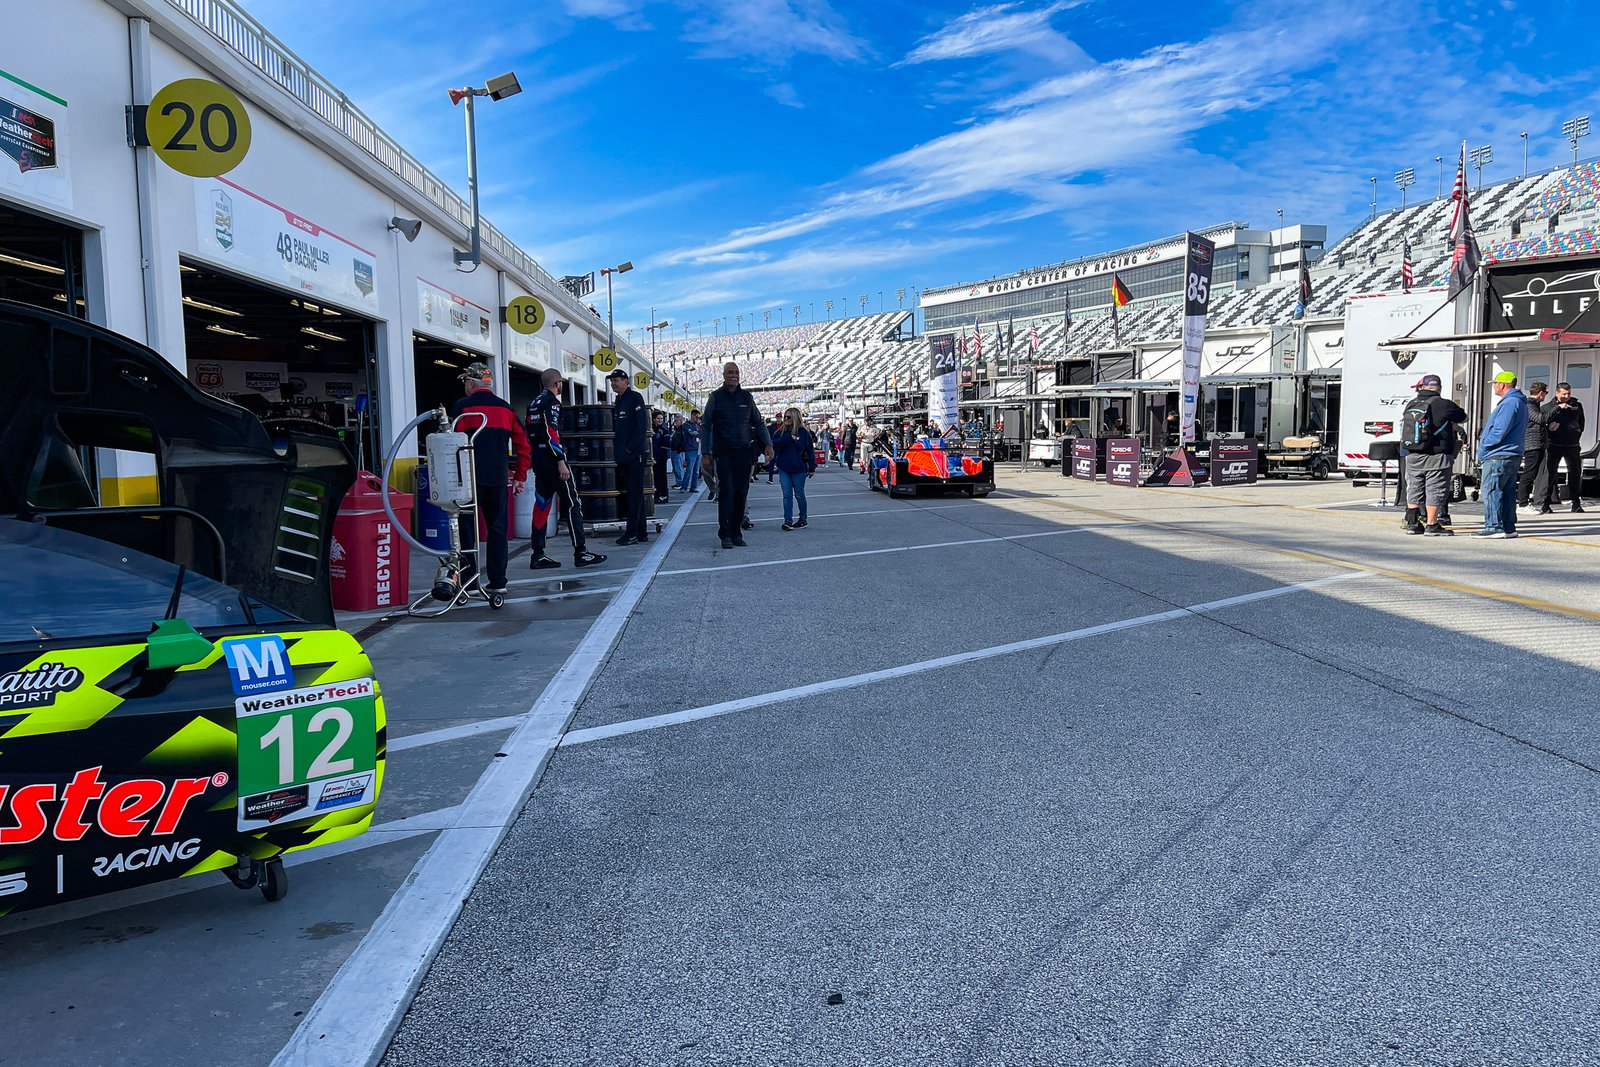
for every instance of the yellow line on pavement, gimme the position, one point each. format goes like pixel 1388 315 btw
pixel 1334 561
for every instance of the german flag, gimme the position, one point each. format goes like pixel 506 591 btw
pixel 1119 292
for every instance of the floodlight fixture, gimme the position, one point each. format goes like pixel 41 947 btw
pixel 1405 179
pixel 1573 129
pixel 495 89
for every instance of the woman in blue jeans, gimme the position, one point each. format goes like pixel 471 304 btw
pixel 795 455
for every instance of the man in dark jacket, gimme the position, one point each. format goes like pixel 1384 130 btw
pixel 1428 459
pixel 1564 421
pixel 631 434
pixel 733 427
pixel 552 477
pixel 498 436
pixel 661 438
pixel 1533 486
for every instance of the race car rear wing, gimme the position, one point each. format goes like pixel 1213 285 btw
pixel 269 498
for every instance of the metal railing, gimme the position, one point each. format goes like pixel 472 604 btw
pixel 235 28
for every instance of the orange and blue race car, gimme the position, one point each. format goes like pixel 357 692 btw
pixel 928 464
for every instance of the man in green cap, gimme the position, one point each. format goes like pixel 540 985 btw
pixel 1500 453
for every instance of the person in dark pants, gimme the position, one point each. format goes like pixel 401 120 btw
pixel 733 426
pixel 552 477
pixel 661 446
pixel 1564 423
pixel 498 436
pixel 632 437
pixel 1534 483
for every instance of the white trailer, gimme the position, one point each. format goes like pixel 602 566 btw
pixel 1377 384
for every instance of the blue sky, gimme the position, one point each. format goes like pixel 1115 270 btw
pixel 755 155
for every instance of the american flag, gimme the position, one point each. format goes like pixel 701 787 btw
pixel 1405 267
pixel 1033 340
pixel 977 340
pixel 1464 258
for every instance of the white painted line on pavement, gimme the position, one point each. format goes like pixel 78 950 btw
pixel 655 722
pixel 889 551
pixel 902 510
pixel 383 834
pixel 354 1019
pixel 453 733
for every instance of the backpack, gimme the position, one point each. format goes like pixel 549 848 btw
pixel 1418 432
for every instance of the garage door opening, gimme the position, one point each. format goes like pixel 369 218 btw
pixel 283 356
pixel 41 262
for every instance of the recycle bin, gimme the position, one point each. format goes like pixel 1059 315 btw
pixel 369 562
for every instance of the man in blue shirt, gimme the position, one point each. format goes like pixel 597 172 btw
pixel 1500 453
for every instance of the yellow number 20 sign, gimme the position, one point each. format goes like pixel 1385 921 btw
pixel 198 127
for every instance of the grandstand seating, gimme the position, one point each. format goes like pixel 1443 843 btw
pixel 814 362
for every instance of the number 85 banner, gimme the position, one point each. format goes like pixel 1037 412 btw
pixel 306 752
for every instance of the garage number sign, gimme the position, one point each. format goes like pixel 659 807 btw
pixel 197 127
pixel 641 380
pixel 525 315
pixel 605 359
pixel 306 752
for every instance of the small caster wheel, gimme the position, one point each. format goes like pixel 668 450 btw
pixel 497 601
pixel 274 880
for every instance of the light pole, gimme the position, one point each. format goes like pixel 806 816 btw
pixel 1481 157
pixel 1374 182
pixel 1405 179
pixel 828 306
pixel 611 324
pixel 1573 129
pixel 900 298
pixel 495 89
pixel 1440 160
pixel 654 329
pixel 1524 136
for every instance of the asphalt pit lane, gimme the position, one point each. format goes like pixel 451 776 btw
pixel 324 930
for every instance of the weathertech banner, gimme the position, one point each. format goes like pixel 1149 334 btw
pixel 942 380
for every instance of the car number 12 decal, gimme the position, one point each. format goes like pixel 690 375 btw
pixel 304 752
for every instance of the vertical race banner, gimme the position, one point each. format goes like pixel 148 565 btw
pixel 1179 468
pixel 942 380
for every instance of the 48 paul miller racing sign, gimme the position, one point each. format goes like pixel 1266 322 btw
pixel 115 774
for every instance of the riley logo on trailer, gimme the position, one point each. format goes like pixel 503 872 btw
pixel 37 687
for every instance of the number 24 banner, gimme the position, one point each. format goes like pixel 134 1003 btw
pixel 306 752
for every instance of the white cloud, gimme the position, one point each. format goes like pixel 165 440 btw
pixel 1000 28
pixel 771 31
pixel 1126 113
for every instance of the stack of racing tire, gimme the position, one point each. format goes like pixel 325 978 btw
pixel 591 453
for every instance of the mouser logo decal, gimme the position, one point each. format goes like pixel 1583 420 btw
pixel 257 664
pixel 38 687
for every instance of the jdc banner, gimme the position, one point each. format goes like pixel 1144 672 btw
pixel 1233 462
pixel 1084 458
pixel 942 409
pixel 1122 461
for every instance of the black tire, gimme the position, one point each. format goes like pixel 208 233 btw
pixel 274 881
pixel 1319 470
pixel 497 601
